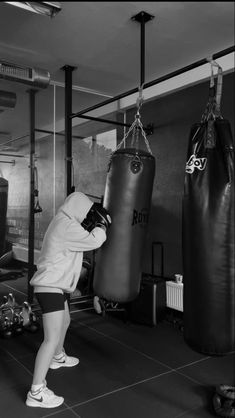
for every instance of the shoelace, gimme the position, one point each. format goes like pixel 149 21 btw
pixel 48 391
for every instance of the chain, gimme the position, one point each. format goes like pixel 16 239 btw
pixel 137 125
pixel 212 110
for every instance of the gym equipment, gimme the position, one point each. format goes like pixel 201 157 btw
pixel 6 258
pixel 97 216
pixel 30 320
pixel 84 278
pixel 15 318
pixel 208 231
pixel 37 207
pixel 5 323
pixel 11 312
pixel 149 308
pixel 3 213
pixel 224 401
pixel 127 199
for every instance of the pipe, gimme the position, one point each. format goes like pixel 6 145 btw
pixel 32 186
pixel 8 162
pixel 68 126
pixel 57 133
pixel 156 81
pixel 113 122
pixel 12 155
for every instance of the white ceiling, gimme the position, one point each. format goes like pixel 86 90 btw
pixel 101 40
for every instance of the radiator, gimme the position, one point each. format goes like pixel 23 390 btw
pixel 174 295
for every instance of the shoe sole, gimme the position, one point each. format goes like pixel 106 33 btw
pixel 41 405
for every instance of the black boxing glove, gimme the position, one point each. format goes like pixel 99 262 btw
pixel 97 217
pixel 102 217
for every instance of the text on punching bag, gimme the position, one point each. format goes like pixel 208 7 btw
pixel 141 218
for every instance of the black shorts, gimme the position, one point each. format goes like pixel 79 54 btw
pixel 52 302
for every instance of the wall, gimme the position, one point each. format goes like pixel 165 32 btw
pixel 173 116
pixel 90 162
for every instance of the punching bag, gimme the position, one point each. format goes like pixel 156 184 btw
pixel 208 236
pixel 3 213
pixel 127 198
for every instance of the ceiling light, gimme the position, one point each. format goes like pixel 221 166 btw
pixel 45 8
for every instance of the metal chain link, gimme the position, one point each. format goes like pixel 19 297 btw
pixel 213 110
pixel 137 125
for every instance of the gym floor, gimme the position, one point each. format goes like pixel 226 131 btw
pixel 126 370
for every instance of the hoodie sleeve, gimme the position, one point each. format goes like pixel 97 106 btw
pixel 78 239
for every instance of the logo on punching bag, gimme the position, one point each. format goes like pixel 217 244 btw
pixel 194 162
pixel 140 218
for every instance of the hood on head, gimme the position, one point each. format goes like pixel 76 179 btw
pixel 76 205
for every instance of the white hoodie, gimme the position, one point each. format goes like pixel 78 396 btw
pixel 60 261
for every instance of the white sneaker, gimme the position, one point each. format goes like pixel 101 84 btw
pixel 64 361
pixel 44 398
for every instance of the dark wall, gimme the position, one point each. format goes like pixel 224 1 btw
pixel 172 117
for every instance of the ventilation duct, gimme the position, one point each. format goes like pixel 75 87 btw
pixel 7 100
pixel 33 76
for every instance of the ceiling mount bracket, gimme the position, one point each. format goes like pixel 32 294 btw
pixel 142 17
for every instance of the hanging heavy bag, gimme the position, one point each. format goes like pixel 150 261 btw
pixel 3 213
pixel 208 231
pixel 127 199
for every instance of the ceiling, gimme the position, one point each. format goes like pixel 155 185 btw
pixel 103 43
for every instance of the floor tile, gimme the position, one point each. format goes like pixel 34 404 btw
pixel 13 404
pixel 168 396
pixel 104 366
pixel 67 413
pixel 213 371
pixel 13 374
pixel 162 342
pixel 22 345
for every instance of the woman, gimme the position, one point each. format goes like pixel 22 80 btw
pixel 57 275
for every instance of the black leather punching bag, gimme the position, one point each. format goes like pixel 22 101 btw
pixel 3 213
pixel 127 198
pixel 208 238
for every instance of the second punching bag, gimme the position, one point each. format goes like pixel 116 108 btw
pixel 127 198
pixel 208 238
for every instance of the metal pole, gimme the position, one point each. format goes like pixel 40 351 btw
pixel 31 268
pixel 57 133
pixel 112 122
pixel 156 81
pixel 68 127
pixel 142 18
pixel 142 51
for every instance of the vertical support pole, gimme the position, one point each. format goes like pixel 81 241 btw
pixel 142 18
pixel 68 127
pixel 32 187
pixel 142 51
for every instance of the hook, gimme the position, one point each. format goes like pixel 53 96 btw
pixel 140 100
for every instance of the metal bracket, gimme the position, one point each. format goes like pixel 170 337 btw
pixel 142 17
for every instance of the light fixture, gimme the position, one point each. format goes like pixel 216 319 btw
pixel 46 8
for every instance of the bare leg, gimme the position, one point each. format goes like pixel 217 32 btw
pixel 65 326
pixel 53 324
